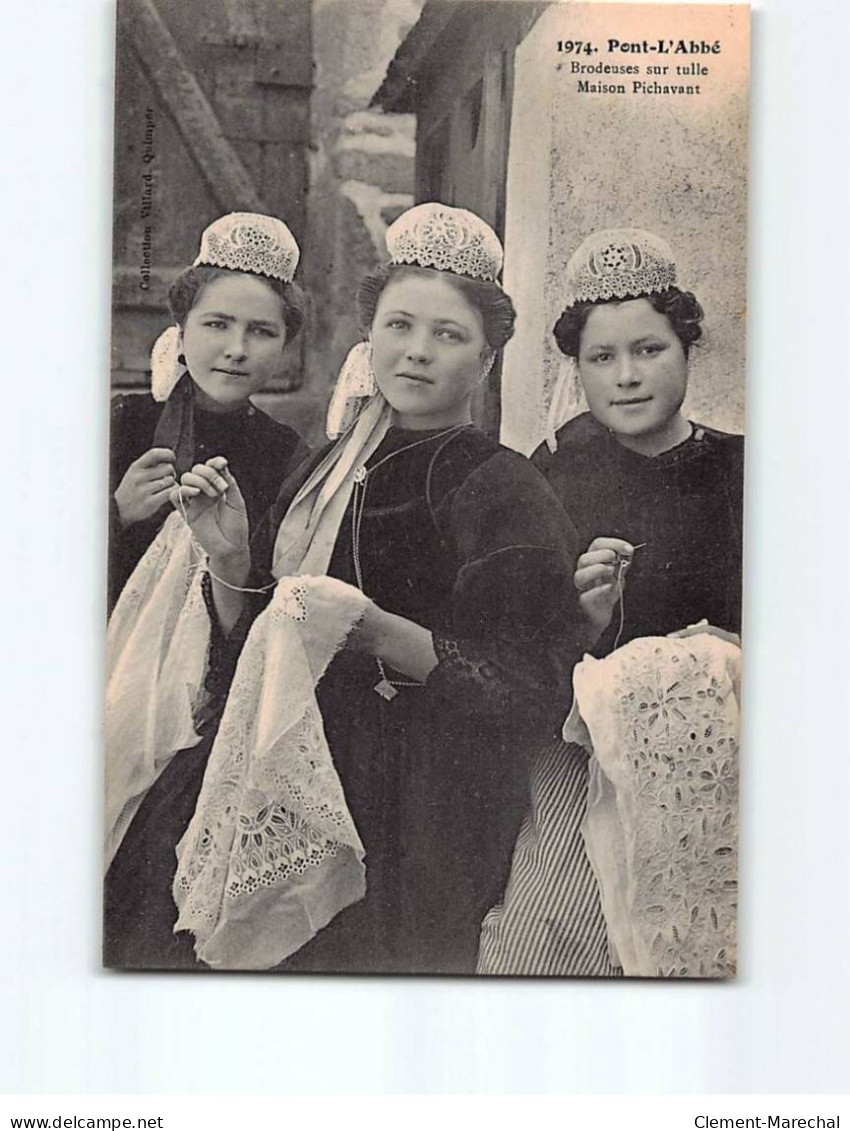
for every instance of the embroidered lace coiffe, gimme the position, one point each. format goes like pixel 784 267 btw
pixel 661 718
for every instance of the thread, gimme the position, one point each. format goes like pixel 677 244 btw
pixel 181 506
pixel 622 565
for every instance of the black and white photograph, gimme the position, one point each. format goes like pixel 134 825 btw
pixel 412 408
pixel 426 488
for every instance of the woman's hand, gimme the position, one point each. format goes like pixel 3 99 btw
pixel 596 576
pixel 146 486
pixel 403 645
pixel 211 502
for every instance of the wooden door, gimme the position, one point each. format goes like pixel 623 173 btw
pixel 212 116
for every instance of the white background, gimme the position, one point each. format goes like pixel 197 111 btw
pixel 66 1026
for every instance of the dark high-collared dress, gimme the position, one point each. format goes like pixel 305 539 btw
pixel 682 507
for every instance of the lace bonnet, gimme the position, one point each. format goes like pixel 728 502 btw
pixel 450 239
pixel 619 263
pixel 250 242
pixel 240 241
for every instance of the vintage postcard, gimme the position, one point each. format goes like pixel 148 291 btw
pixel 426 487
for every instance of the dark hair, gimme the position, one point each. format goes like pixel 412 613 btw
pixel 681 309
pixel 495 307
pixel 186 288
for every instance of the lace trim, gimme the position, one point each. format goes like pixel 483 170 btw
pixel 619 263
pixel 288 821
pixel 450 239
pixel 292 604
pixel 474 678
pixel 250 242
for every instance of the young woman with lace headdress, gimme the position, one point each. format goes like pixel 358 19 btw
pixel 357 809
pixel 657 502
pixel 235 310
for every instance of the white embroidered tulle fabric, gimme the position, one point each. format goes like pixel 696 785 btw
pixel 662 720
pixel 157 644
pixel 272 853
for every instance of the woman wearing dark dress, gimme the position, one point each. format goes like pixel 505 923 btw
pixel 465 647
pixel 657 501
pixel 683 507
pixel 235 312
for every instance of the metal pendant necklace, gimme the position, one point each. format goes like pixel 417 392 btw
pixel 385 687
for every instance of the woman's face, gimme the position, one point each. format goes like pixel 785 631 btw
pixel 428 351
pixel 634 373
pixel 233 339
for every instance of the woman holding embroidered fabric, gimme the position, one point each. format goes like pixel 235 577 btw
pixel 468 636
pixel 236 308
pixel 657 501
pixel 642 468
